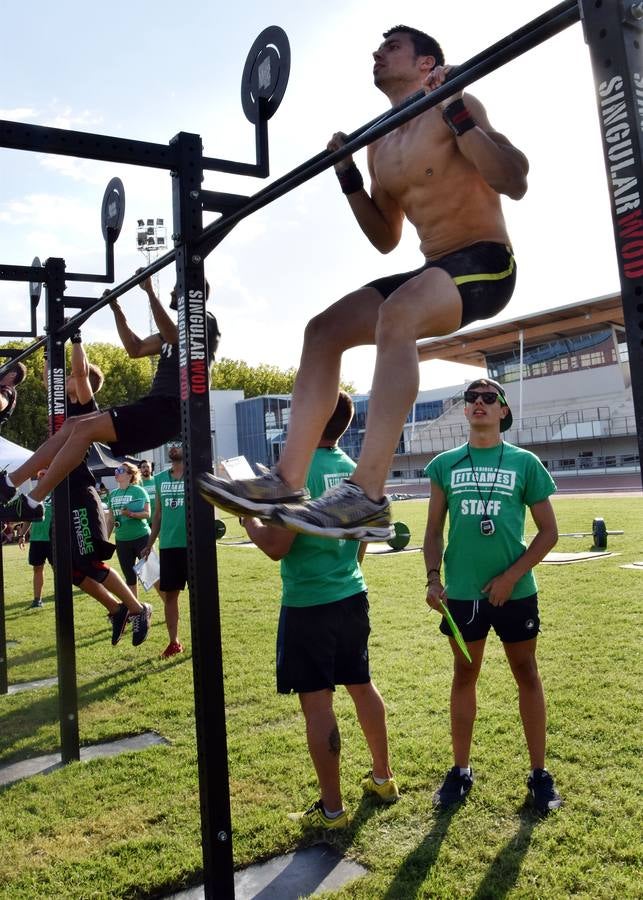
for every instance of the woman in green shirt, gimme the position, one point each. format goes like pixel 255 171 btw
pixel 128 516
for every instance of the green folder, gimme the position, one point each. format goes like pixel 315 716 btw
pixel 457 634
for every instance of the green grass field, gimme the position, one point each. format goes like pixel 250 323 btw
pixel 128 827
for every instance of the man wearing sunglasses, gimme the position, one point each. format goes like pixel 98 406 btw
pixel 485 486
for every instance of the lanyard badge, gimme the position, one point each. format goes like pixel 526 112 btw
pixel 487 525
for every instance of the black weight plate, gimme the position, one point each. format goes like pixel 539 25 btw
pixel 113 210
pixel 35 287
pixel 265 74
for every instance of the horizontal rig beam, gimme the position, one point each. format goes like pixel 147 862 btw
pixel 41 138
pixel 21 273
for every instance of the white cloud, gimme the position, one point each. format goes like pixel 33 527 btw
pixel 44 210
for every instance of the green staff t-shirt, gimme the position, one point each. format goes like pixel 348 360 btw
pixel 150 486
pixel 466 475
pixel 170 493
pixel 318 570
pixel 132 498
pixel 40 530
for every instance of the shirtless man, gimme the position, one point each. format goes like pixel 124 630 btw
pixel 444 170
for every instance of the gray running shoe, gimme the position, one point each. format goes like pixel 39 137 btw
pixel 342 512
pixel 254 496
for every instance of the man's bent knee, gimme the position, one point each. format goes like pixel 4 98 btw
pixel 323 329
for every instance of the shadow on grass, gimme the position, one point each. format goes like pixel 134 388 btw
pixel 43 653
pixel 23 721
pixel 343 837
pixel 413 871
pixel 504 870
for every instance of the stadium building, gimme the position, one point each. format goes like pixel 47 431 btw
pixel 566 376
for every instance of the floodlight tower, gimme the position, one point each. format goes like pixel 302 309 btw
pixel 151 239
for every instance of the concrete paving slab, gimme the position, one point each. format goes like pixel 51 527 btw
pixel 41 765
pixel 562 559
pixel 303 873
pixel 36 685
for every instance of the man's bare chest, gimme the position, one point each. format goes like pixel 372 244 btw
pixel 417 154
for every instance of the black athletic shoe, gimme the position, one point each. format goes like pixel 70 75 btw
pixel 119 621
pixel 543 791
pixel 454 788
pixel 7 492
pixel 20 510
pixel 141 625
pixel 35 603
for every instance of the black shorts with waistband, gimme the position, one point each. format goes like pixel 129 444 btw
pixel 173 563
pixel 148 423
pixel 321 646
pixel 484 273
pixel 514 621
pixel 40 553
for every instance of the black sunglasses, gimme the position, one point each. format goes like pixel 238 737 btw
pixel 488 397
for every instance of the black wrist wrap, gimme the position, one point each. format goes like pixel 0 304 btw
pixel 350 179
pixel 458 118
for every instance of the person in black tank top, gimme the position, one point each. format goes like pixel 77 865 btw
pixel 90 546
pixel 149 422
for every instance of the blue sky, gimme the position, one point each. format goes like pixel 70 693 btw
pixel 150 70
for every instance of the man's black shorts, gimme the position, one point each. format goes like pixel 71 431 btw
pixel 148 423
pixel 515 620
pixel 321 646
pixel 128 553
pixel 173 563
pixel 40 553
pixel 485 275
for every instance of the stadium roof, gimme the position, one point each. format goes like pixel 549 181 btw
pixel 470 346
